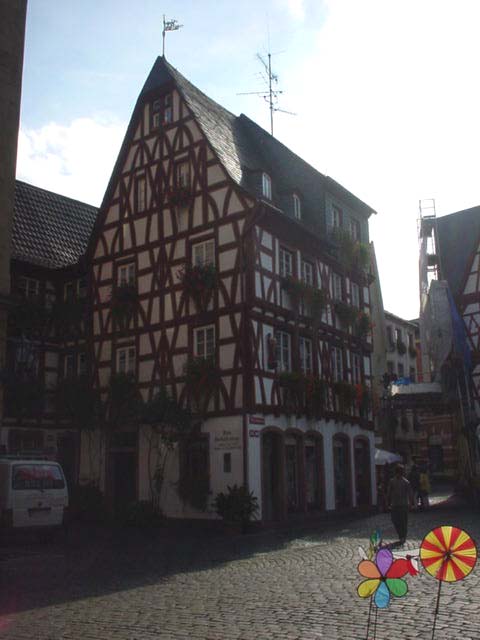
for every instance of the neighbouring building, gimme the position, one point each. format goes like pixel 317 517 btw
pixel 12 37
pixel 222 268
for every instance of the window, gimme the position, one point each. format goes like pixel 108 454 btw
pixel 390 335
pixel 398 335
pixel 266 186
pixel 401 370
pixel 282 351
pixel 337 364
pixel 297 207
pixel 82 364
pixel 286 263
pixel 203 253
pixel 354 229
pixel 305 355
pixel 162 111
pixel 390 368
pixel 140 194
pixel 356 369
pixel 204 342
pixel 168 109
pixel 336 217
pixel 412 374
pixel 355 290
pixel 337 286
pixel 37 476
pixel 126 274
pixel 28 287
pixel 69 365
pixel 126 360
pixel 182 175
pixel 82 288
pixel 411 345
pixel 69 291
pixel 307 272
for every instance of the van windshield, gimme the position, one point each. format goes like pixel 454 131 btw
pixel 37 476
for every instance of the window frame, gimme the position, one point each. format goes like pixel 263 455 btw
pixel 31 290
pixel 283 253
pixel 306 280
pixel 129 269
pixel 354 229
pixel 130 353
pixel 305 355
pixel 356 368
pixel 205 340
pixel 337 280
pixel 179 175
pixel 266 186
pixel 283 350
pixel 202 247
pixel 297 207
pixel 355 298
pixel 337 364
pixel 337 217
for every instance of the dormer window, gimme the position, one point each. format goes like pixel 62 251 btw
pixel 266 186
pixel 297 207
pixel 162 111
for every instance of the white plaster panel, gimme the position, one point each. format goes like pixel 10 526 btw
pixel 167 226
pixel 267 240
pixel 197 212
pixel 227 259
pixel 182 337
pixel 475 263
pixel 144 283
pixel 258 286
pixel 179 251
pixel 145 371
pixel 155 310
pixel 226 234
pixel 194 130
pixel 140 231
pixel 226 354
pixel 108 235
pixel 144 345
pixel 234 205
pixel 168 309
pixel 112 215
pixel 179 362
pixel 470 287
pixel 225 327
pixel 266 261
pixel 215 174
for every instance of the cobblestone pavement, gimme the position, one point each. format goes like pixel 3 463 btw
pixel 179 584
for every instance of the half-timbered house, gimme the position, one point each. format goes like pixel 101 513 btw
pixel 245 273
pixel 47 324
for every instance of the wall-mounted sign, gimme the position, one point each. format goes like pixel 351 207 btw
pixel 254 433
pixel 226 439
pixel 256 419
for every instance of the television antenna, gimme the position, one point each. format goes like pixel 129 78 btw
pixel 270 95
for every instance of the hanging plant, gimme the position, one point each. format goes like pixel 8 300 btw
pixel 179 196
pixel 346 394
pixel 200 281
pixel 69 316
pixel 315 395
pixel 316 300
pixel 124 301
pixel 202 378
pixel 352 254
pixel 363 325
pixel 401 347
pixel 346 313
pixel 292 384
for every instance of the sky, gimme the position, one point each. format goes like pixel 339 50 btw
pixel 385 92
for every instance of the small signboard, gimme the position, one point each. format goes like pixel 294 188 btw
pixel 226 439
pixel 256 420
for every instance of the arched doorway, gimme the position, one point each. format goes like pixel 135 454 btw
pixel 314 473
pixel 272 476
pixel 363 492
pixel 341 471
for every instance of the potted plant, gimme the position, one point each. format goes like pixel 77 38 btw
pixel 179 196
pixel 346 313
pixel 200 281
pixel 363 325
pixel 237 507
pixel 315 395
pixel 345 393
pixel 124 301
pixel 292 384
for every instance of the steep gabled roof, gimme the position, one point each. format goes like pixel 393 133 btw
pixel 458 237
pixel 49 230
pixel 243 148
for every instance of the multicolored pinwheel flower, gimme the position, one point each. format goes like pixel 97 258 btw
pixel 383 578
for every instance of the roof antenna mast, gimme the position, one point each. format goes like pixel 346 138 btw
pixel 270 95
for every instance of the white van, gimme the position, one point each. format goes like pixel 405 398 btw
pixel 33 493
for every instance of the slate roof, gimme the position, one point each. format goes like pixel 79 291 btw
pixel 458 236
pixel 49 230
pixel 245 150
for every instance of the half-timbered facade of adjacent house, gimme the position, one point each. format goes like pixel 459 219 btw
pixel 228 271
pixel 47 324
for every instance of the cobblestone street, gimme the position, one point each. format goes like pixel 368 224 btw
pixel 175 584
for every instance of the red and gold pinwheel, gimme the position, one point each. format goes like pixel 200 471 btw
pixel 448 553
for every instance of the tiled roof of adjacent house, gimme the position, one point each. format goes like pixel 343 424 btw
pixel 245 149
pixel 458 237
pixel 49 230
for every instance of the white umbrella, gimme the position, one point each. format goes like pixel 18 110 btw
pixel 386 457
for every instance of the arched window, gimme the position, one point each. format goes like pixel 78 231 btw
pixel 297 207
pixel 266 186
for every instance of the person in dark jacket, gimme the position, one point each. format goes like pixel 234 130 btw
pixel 414 479
pixel 400 498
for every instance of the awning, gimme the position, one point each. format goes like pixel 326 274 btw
pixel 386 457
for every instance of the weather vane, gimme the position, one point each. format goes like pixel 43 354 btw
pixel 169 25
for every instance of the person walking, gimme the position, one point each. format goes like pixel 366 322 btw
pixel 414 479
pixel 400 498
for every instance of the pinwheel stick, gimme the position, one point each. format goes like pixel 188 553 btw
pixel 369 616
pixel 436 609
